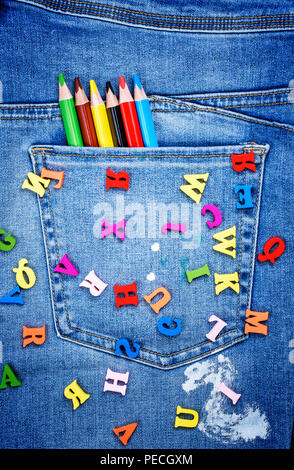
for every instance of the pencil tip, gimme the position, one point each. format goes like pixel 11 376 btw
pixel 122 82
pixel 137 81
pixel 109 87
pixel 61 79
pixel 78 84
pixel 93 87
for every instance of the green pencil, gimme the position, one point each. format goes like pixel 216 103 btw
pixel 69 114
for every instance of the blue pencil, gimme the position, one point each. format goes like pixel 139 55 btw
pixel 144 114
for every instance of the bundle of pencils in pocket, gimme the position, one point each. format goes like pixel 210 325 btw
pixel 123 122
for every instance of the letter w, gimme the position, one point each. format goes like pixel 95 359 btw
pixel 196 187
pixel 228 247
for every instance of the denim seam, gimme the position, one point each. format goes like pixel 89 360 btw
pixel 262 104
pixel 280 126
pixel 259 151
pixel 241 95
pixel 114 7
pixel 30 106
pixel 253 249
pixel 190 108
pixel 34 152
pixel 162 23
pixel 161 366
pixel 240 258
pixel 51 283
pixel 37 117
pixel 64 297
pixel 154 98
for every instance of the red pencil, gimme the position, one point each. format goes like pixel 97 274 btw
pixel 129 115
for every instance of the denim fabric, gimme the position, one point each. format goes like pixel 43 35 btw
pixel 219 81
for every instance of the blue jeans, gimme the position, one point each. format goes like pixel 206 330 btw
pixel 219 84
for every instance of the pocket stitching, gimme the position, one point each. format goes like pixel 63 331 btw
pixel 34 152
pixel 112 339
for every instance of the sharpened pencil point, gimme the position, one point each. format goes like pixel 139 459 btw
pixel 61 79
pixel 122 82
pixel 137 81
pixel 93 87
pixel 109 87
pixel 77 83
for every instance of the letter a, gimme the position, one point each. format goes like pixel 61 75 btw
pixel 196 187
pixel 228 247
pixel 186 423
pixel 11 298
pixel 36 184
pixel 253 320
pixel 127 432
pixel 9 378
pixel 66 267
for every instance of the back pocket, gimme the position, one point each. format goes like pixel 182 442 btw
pixel 151 250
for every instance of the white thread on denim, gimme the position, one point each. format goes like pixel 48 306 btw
pixel 291 353
pixel 291 93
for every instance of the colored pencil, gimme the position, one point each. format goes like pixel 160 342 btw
pixel 144 114
pixel 100 118
pixel 69 114
pixel 115 118
pixel 129 115
pixel 85 116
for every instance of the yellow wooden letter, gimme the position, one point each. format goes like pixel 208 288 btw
pixel 223 281
pixel 186 423
pixel 36 184
pixel 228 247
pixel 196 187
pixel 74 392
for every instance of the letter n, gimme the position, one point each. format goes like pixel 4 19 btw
pixel 253 324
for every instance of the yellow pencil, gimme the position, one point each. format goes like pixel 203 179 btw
pixel 100 118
